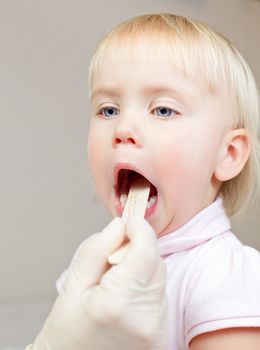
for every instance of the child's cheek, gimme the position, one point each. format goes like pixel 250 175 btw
pixel 96 156
pixel 180 162
pixel 96 145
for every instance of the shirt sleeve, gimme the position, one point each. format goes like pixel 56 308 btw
pixel 224 294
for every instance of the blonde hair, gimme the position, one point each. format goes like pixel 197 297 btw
pixel 195 48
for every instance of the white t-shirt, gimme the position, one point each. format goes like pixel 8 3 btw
pixel 213 280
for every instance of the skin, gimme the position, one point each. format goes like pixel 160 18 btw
pixel 174 131
pixel 184 154
pixel 228 339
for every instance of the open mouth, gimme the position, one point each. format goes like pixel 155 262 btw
pixel 124 181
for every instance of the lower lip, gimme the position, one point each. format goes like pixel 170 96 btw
pixel 148 212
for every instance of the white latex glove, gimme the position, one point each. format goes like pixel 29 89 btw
pixel 111 308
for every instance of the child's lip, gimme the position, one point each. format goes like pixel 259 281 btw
pixel 128 166
pixel 119 207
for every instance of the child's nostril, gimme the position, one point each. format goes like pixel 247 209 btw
pixel 123 140
pixel 131 140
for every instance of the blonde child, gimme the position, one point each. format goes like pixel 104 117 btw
pixel 173 101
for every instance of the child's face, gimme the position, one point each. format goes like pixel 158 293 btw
pixel 152 118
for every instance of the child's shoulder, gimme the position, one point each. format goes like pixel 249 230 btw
pixel 227 273
pixel 226 255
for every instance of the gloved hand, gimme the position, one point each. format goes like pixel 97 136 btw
pixel 111 308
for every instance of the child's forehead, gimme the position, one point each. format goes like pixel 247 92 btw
pixel 153 78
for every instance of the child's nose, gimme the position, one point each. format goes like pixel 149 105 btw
pixel 127 133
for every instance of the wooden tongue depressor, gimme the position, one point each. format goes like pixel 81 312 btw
pixel 135 206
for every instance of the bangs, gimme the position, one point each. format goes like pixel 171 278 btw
pixel 189 47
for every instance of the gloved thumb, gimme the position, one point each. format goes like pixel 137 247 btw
pixel 90 262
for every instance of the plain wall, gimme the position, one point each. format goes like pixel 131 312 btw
pixel 47 206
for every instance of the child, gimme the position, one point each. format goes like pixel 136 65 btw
pixel 173 101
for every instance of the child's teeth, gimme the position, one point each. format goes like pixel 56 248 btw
pixel 123 199
pixel 152 201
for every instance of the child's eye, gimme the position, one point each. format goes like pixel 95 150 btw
pixel 165 112
pixel 109 111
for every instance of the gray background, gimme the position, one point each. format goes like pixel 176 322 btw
pixel 47 206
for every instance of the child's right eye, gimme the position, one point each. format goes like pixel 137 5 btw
pixel 108 111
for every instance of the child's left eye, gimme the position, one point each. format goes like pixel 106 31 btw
pixel 165 112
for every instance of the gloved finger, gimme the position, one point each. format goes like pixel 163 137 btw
pixel 142 257
pixel 90 263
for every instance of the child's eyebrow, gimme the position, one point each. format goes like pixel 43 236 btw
pixel 104 91
pixel 183 95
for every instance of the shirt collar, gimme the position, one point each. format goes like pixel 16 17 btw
pixel 205 225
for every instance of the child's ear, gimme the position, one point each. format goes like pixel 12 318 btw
pixel 234 152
